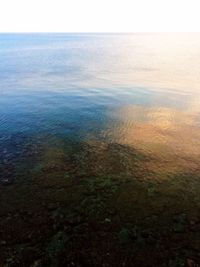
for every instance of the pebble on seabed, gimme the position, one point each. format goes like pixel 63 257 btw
pixel 6 181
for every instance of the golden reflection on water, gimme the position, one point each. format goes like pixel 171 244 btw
pixel 169 137
pixel 168 66
pixel 147 68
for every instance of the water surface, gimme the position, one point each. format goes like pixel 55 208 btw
pixel 135 89
pixel 99 149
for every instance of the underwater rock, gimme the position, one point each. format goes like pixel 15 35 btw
pixel 6 181
pixel 73 219
pixel 180 224
pixel 107 220
pixel 53 167
pixel 37 263
pixel 52 206
pixel 192 263
pixel 57 246
pixel 3 243
pixel 6 175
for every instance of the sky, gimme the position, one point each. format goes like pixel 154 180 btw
pixel 99 15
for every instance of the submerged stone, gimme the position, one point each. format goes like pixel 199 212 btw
pixel 6 181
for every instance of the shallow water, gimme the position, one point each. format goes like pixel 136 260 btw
pixel 106 126
pixel 135 89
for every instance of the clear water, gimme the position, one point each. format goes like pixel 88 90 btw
pixel 140 90
pixel 99 149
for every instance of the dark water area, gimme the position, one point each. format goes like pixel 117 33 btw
pixel 99 150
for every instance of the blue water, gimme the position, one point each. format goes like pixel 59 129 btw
pixel 76 84
pixel 99 149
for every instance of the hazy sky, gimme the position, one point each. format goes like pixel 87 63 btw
pixel 99 15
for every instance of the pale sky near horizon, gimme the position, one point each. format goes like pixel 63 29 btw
pixel 99 15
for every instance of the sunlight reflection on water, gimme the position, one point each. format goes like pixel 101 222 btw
pixel 141 90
